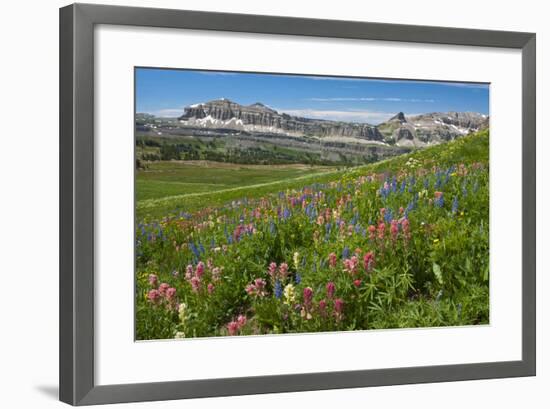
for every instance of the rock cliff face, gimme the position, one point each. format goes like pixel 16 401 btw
pixel 257 117
pixel 399 130
pixel 431 128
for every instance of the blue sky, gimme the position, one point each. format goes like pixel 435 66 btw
pixel 164 92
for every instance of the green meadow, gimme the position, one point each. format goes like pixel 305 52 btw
pixel 168 186
pixel 247 250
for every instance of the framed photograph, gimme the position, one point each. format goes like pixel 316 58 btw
pixel 260 204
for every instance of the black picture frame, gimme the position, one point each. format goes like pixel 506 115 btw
pixel 76 275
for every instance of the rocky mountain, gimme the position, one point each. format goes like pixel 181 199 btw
pixel 223 113
pixel 227 131
pixel 416 131
pixel 435 127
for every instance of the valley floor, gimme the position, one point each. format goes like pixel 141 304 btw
pixel 164 186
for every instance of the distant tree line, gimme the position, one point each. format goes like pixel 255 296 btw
pixel 252 155
pixel 148 142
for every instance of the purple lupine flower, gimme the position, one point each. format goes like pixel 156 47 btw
pixel 278 290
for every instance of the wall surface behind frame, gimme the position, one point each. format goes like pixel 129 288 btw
pixel 29 223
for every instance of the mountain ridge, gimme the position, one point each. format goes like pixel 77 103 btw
pixel 223 130
pixel 258 117
pixel 415 131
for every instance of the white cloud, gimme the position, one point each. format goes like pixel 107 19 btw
pixel 347 115
pixel 371 117
pixel 336 99
pixel 360 79
pixel 336 78
pixel 437 82
pixel 478 85
pixel 168 112
pixel 466 85
pixel 225 73
pixel 359 99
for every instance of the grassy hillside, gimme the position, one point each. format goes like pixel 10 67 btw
pixel 162 179
pixel 172 187
pixel 397 244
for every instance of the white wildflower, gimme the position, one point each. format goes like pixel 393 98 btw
pixel 182 312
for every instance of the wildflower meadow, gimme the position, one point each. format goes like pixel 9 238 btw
pixel 400 243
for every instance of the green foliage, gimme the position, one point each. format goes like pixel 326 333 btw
pixel 169 152
pixel 422 217
pixel 165 186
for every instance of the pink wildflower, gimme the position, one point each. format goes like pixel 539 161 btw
pixel 368 261
pixel 199 271
pixel 394 229
pixel 331 288
pixel 342 227
pixel 189 272
pixel 350 264
pixel 257 288
pixel 308 296
pixel 238 232
pixel 381 231
pixel 210 288
pixel 372 232
pixel 153 296
pixel 153 280
pixel 332 260
pixel 233 328
pixel 283 270
pixel 170 294
pixel 195 283
pixel 163 287
pixel 405 225
pixel 272 270
pixel 357 283
pixel 259 283
pixel 241 320
pixel 322 307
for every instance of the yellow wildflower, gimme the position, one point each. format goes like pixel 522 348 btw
pixel 289 294
pixel 296 259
